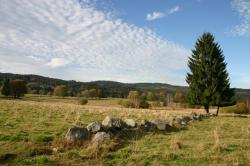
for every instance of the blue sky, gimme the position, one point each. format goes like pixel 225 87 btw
pixel 120 40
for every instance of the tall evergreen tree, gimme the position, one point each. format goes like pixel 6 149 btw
pixel 6 90
pixel 208 79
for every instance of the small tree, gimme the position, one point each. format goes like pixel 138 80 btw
pixel 6 90
pixel 151 96
pixel 61 90
pixel 134 97
pixel 18 88
pixel 208 79
pixel 162 95
pixel 179 97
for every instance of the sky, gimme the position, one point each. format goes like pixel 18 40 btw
pixel 121 40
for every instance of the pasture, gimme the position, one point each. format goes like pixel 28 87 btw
pixel 32 132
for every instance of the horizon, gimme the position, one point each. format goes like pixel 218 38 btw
pixel 115 81
pixel 112 40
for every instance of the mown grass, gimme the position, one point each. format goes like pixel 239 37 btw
pixel 32 133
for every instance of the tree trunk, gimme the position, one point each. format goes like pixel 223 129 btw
pixel 207 109
pixel 217 112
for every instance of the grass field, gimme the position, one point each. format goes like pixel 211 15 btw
pixel 32 132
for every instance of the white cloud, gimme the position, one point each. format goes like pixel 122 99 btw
pixel 58 62
pixel 72 40
pixel 157 15
pixel 154 16
pixel 174 10
pixel 242 7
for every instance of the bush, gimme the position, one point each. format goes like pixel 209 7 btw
pixel 83 101
pixel 144 104
pixel 239 108
pixel 126 103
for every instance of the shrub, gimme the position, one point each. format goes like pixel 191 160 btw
pixel 83 101
pixel 144 104
pixel 239 108
pixel 126 103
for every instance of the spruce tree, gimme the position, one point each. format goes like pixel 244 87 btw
pixel 208 78
pixel 6 90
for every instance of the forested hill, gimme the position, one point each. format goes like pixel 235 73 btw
pixel 45 85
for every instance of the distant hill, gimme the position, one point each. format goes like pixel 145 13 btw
pixel 109 88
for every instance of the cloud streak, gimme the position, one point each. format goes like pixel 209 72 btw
pixel 157 15
pixel 174 10
pixel 154 16
pixel 71 39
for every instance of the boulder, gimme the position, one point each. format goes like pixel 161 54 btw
pixel 130 123
pixel 110 122
pixel 195 116
pixel 160 124
pixel 77 134
pixel 107 122
pixel 177 121
pixel 101 137
pixel 148 126
pixel 94 127
pixel 186 119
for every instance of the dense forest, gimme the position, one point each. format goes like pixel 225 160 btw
pixel 45 85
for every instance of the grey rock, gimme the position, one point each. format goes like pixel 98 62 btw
pixel 195 116
pixel 186 119
pixel 77 134
pixel 94 127
pixel 115 123
pixel 130 123
pixel 160 124
pixel 101 137
pixel 178 121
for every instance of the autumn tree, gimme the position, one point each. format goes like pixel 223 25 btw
pixel 179 97
pixel 18 88
pixel 61 90
pixel 94 93
pixel 134 97
pixel 208 78
pixel 162 95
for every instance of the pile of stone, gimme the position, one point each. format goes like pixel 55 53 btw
pixel 101 132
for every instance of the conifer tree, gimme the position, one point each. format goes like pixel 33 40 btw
pixel 208 78
pixel 6 90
